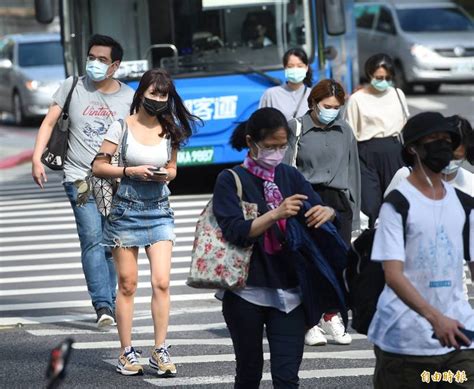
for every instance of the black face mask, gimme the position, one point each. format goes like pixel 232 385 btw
pixel 438 154
pixel 154 107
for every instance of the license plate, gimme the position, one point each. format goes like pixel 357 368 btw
pixel 196 156
pixel 465 68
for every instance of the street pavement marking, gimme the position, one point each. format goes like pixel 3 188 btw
pixel 145 330
pixel 70 226
pixel 64 204
pixel 49 212
pixel 42 238
pixel 87 303
pixel 138 315
pixel 229 379
pixel 425 104
pixel 33 257
pixel 135 330
pixel 78 276
pixel 72 289
pixel 69 245
pixel 349 354
pixel 108 344
pixel 74 265
pixel 71 219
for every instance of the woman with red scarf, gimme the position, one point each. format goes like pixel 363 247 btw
pixel 272 297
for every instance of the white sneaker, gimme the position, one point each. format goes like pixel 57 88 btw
pixel 315 337
pixel 334 331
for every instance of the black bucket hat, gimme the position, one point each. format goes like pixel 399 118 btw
pixel 427 123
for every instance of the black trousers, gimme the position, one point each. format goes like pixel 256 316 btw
pixel 380 158
pixel 336 199
pixel 285 334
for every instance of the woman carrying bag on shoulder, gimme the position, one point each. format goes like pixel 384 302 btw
pixel 377 114
pixel 275 295
pixel 140 214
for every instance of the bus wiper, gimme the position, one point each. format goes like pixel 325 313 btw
pixel 251 69
pixel 244 68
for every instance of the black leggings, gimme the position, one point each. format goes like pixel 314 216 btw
pixel 285 334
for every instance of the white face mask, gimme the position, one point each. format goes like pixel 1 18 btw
pixel 96 70
pixel 453 167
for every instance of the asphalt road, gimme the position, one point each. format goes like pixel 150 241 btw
pixel 43 298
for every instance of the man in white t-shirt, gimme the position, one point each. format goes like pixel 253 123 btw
pixel 423 265
pixel 454 174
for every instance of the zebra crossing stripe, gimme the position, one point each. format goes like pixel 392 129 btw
pixel 64 204
pixel 349 354
pixel 87 303
pixel 72 289
pixel 74 265
pixel 70 226
pixel 70 245
pixel 79 276
pixel 85 318
pixel 135 330
pixel 229 379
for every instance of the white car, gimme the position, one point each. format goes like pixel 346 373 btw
pixel 31 70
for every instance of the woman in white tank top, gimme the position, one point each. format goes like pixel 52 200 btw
pixel 141 216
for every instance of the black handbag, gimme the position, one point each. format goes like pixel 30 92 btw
pixel 55 152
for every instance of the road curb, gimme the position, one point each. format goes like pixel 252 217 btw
pixel 15 160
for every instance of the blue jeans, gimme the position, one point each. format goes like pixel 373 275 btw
pixel 97 261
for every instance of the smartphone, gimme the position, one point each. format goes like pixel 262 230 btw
pixel 159 173
pixel 468 333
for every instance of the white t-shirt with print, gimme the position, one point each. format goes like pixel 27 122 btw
pixel 433 263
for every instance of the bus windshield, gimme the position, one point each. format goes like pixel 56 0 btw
pixel 192 37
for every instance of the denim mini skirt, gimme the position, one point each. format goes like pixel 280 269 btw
pixel 140 215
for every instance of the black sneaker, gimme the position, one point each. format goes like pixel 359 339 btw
pixel 105 317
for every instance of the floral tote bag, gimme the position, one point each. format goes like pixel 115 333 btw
pixel 216 263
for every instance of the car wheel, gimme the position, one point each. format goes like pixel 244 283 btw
pixel 400 80
pixel 18 115
pixel 432 88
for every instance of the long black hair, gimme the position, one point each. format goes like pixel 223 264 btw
pixel 301 54
pixel 177 122
pixel 261 124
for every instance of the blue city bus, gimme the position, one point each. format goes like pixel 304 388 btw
pixel 222 54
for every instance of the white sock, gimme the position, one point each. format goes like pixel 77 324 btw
pixel 127 349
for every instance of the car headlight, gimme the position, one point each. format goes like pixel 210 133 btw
pixel 32 85
pixel 422 52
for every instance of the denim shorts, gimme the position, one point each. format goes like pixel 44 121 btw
pixel 140 215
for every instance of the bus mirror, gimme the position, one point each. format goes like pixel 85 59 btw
pixel 44 11
pixel 335 17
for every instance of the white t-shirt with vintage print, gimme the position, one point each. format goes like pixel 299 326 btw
pixel 433 263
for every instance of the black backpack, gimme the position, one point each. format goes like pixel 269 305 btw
pixel 364 279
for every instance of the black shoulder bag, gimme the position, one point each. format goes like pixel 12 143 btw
pixel 55 152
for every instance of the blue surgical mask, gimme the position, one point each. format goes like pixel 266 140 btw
pixel 295 75
pixel 327 115
pixel 96 70
pixel 453 167
pixel 381 85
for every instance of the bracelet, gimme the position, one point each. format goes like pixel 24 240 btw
pixel 124 173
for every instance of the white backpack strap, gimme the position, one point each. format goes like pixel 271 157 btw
pixel 298 131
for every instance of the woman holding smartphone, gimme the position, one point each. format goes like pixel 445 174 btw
pixel 141 215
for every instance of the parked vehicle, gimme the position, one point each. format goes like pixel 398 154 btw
pixel 31 69
pixel 431 41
